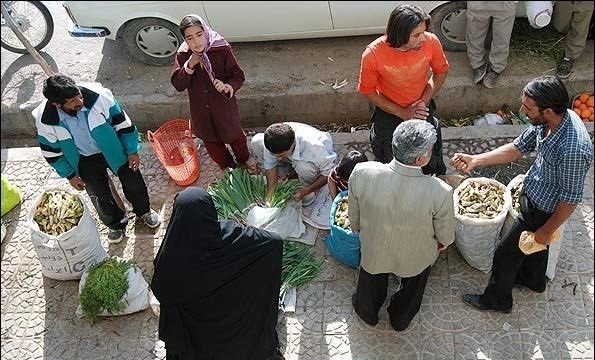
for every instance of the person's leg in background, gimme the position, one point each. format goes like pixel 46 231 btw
pixel 478 23
pixel 572 18
pixel 242 153
pixel 502 24
pixel 220 155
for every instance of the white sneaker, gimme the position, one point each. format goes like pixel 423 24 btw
pixel 151 219
pixel 114 236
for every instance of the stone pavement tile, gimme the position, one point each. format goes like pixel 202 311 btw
pixel 58 348
pixel 471 345
pixel 574 344
pixel 333 270
pixel 587 290
pixel 340 320
pixel 93 348
pixel 568 315
pixel 503 345
pixel 435 318
pixel 310 295
pixel 121 349
pixel 567 260
pixel 23 349
pixel 465 319
pixel 149 348
pixel 535 316
pixel 498 322
pixel 302 321
pixel 338 293
pixel 437 291
pixel 371 346
pixel 584 259
pixel 562 288
pixel 456 263
pixel 437 346
pixel 302 346
pixel 539 344
pixel 440 267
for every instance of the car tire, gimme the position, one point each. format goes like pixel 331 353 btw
pixel 153 41
pixel 449 23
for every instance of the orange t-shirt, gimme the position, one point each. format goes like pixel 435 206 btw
pixel 400 76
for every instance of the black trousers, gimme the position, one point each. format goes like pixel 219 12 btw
pixel 371 292
pixel 93 171
pixel 381 136
pixel 511 266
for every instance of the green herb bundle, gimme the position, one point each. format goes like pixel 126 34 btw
pixel 283 192
pixel 105 287
pixel 299 265
pixel 237 191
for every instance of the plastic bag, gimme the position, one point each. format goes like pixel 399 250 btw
pixel 285 222
pixel 528 245
pixel 11 196
pixel 488 119
pixel 512 214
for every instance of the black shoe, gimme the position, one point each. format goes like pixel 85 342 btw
pixel 479 73
pixel 473 301
pixel 490 79
pixel 565 68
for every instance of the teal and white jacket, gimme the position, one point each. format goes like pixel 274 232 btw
pixel 109 125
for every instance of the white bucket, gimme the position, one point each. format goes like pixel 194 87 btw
pixel 539 13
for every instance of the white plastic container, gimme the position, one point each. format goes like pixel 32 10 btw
pixel 539 13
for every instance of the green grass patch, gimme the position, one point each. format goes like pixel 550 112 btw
pixel 546 43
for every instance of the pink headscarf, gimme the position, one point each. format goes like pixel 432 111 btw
pixel 214 39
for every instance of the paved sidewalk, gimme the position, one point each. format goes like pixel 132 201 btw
pixel 39 321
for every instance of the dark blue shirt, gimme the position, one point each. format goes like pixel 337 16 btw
pixel 563 159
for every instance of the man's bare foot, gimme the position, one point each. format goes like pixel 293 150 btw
pixel 252 166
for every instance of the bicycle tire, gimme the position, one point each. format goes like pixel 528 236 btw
pixel 49 22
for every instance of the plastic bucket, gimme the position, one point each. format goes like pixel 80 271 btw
pixel 176 151
pixel 539 13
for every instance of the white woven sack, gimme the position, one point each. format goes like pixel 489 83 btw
pixel 66 256
pixel 137 297
pixel 554 250
pixel 476 238
pixel 512 213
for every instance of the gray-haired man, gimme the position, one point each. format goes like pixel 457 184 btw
pixel 405 218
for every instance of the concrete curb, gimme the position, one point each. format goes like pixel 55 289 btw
pixel 359 136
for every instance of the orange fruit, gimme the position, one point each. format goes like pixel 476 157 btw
pixel 585 114
pixel 582 106
pixel 583 98
pixel 590 101
pixel 576 103
pixel 591 117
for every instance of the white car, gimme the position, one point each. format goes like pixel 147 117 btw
pixel 150 28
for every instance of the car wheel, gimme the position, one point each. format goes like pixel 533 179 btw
pixel 449 23
pixel 152 41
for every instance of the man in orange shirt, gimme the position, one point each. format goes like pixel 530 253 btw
pixel 394 77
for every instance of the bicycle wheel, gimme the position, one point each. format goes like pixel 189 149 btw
pixel 35 22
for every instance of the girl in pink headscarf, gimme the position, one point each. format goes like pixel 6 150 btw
pixel 206 66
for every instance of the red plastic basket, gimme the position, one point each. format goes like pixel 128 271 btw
pixel 176 150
